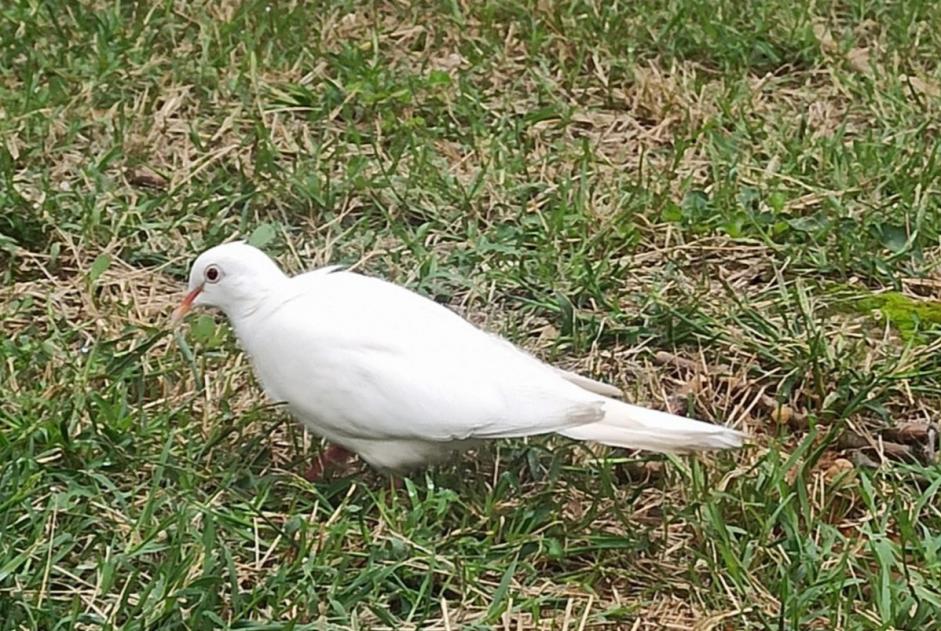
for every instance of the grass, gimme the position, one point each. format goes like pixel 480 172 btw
pixel 728 208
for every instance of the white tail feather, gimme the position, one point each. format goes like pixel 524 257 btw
pixel 634 427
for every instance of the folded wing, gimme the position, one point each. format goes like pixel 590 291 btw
pixel 365 357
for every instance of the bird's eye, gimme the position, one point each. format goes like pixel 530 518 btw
pixel 213 274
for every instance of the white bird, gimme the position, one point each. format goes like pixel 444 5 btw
pixel 403 381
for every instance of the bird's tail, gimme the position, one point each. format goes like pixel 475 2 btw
pixel 633 427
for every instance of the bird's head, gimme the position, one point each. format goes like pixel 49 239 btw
pixel 233 277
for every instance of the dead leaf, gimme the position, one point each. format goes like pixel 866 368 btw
pixel 910 432
pixel 449 62
pixel 858 59
pixel 822 33
pixel 665 358
pixel 548 334
pixel 840 469
pixel 144 177
pixel 921 86
pixel 782 414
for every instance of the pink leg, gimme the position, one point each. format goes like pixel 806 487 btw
pixel 334 454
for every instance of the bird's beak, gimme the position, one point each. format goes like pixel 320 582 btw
pixel 185 306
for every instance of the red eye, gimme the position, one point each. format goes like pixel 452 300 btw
pixel 213 274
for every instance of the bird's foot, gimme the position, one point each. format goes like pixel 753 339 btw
pixel 332 455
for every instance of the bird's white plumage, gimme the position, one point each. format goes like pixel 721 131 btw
pixel 402 380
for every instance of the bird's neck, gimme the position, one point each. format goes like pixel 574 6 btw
pixel 254 300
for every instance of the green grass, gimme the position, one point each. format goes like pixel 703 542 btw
pixel 679 197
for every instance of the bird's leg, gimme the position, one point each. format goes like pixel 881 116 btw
pixel 334 454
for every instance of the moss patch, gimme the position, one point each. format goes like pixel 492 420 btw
pixel 907 315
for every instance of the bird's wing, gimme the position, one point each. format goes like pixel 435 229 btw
pixel 598 387
pixel 586 383
pixel 366 358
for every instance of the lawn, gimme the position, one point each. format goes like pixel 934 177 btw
pixel 728 208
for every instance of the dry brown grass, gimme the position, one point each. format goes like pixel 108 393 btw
pixel 758 329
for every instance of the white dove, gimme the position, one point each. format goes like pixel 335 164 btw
pixel 403 381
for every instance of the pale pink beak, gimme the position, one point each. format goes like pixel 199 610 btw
pixel 185 306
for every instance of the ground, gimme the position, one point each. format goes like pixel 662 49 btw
pixel 729 209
